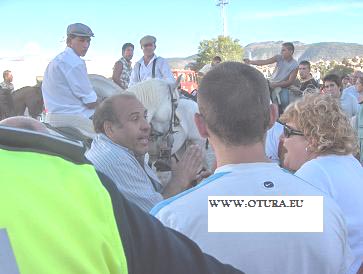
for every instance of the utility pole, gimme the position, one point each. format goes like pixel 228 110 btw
pixel 221 4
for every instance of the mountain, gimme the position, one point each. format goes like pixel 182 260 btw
pixel 312 52
pixel 179 62
pixel 332 51
pixel 265 50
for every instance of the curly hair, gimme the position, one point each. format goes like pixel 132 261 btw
pixel 324 124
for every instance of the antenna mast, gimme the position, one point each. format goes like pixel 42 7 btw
pixel 221 4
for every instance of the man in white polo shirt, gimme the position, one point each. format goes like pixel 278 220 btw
pixel 150 65
pixel 66 87
pixel 235 114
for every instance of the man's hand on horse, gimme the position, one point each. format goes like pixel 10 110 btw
pixel 204 173
pixel 185 172
pixel 189 165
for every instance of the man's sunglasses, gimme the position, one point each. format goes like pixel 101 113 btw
pixel 288 131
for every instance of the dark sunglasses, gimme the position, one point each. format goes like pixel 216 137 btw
pixel 288 131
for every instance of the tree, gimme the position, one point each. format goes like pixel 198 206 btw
pixel 225 47
pixel 340 70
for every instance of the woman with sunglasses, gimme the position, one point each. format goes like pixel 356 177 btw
pixel 320 144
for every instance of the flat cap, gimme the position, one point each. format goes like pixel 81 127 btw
pixel 79 29
pixel 147 40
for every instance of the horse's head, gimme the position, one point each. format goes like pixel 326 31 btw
pixel 160 99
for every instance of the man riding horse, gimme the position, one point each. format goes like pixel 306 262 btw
pixel 66 88
pixel 283 76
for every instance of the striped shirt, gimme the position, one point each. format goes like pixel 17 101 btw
pixel 138 184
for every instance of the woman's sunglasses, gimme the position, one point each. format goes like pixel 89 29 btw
pixel 288 131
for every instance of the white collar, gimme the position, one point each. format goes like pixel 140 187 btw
pixel 141 61
pixel 244 166
pixel 71 51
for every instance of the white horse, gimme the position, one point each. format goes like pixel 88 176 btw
pixel 159 99
pixel 103 87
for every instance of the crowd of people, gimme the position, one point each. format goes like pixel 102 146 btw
pixel 106 211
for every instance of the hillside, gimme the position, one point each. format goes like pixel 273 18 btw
pixel 311 52
pixel 180 63
pixel 332 51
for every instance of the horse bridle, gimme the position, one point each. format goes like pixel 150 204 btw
pixel 163 162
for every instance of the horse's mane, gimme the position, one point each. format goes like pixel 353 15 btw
pixel 19 90
pixel 25 88
pixel 152 93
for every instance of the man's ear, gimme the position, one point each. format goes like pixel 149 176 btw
pixel 274 114
pixel 107 127
pixel 201 125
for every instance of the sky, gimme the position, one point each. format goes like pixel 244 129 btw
pixel 36 29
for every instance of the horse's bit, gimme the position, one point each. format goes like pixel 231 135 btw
pixel 163 162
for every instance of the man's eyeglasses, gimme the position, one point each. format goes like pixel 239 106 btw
pixel 288 131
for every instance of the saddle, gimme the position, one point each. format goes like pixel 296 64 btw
pixel 72 134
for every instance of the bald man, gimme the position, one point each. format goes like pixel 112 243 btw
pixel 24 122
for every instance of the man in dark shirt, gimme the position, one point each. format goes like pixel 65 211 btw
pixel 305 80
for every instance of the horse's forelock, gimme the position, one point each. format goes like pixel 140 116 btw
pixel 152 93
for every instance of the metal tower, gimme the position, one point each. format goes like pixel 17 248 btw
pixel 221 4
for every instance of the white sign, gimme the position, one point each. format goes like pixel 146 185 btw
pixel 265 213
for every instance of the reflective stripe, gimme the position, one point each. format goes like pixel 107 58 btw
pixel 7 259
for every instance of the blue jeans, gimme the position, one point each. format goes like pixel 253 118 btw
pixel 284 97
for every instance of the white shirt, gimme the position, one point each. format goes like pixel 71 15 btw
pixel 319 253
pixel 341 176
pixel 66 87
pixel 205 69
pixel 273 141
pixel 349 104
pixel 162 71
pixel 352 91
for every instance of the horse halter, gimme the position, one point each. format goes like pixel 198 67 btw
pixel 163 162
